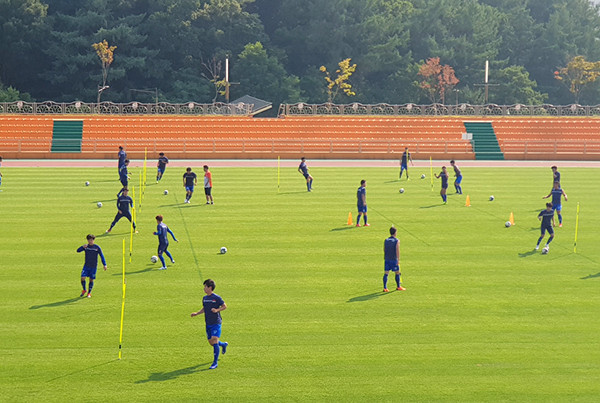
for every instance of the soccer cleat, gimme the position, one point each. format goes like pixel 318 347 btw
pixel 137 232
pixel 162 268
pixel 213 366
pixel 172 261
pixel 108 230
pixel 212 202
pixel 224 347
pixel 400 289
pixel 386 290
pixel 367 225
pixel 537 247
pixel 560 225
pixel 207 203
pixel 89 295
pixel 82 293
pixel 358 225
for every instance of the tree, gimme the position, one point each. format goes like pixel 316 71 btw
pixel 437 79
pixel 11 94
pixel 341 81
pixel 517 88
pixel 578 75
pixel 106 55
pixel 212 73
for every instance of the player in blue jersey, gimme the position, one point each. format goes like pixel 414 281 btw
pixel 123 204
pixel 212 305
pixel 391 254
pixel 444 176
pixel 547 218
pixel 557 194
pixel 124 177
pixel 122 157
pixel 163 241
pixel 92 251
pixel 189 181
pixel 555 175
pixel 361 203
pixel 458 179
pixel 303 169
pixel 404 162
pixel 161 165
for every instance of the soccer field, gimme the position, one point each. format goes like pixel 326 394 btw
pixel 484 316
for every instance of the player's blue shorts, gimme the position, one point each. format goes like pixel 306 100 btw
pixel 162 248
pixel 89 272
pixel 189 189
pixel 445 186
pixel 213 331
pixel 549 228
pixel 391 265
pixel 306 175
pixel 404 165
pixel 361 209
pixel 161 170
pixel 458 179
pixel 124 182
pixel 558 207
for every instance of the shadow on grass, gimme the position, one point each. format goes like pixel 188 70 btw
pixel 368 297
pixel 169 376
pixel 146 270
pixel 103 201
pixel 292 193
pixel 528 253
pixel 433 205
pixel 184 205
pixel 55 304
pixel 597 275
pixel 342 228
pixel 81 370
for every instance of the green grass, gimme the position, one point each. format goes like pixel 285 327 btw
pixel 483 318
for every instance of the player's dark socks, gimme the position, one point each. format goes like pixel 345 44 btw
pixel 358 220
pixel 223 345
pixel 162 260
pixel 83 284
pixel 169 255
pixel 217 351
pixel 560 219
pixel 385 278
pixel 365 219
pixel 540 240
pixel 90 286
pixel 308 186
pixel 549 240
pixel 398 280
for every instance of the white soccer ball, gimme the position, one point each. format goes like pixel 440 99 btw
pixel 507 224
pixel 166 192
pixel 545 250
pixel 423 176
pixel 492 198
pixel 154 259
pixel 401 190
pixel 223 250
pixel 87 183
pixel 99 204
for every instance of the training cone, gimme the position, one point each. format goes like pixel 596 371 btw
pixel 468 202
pixel 512 219
pixel 350 218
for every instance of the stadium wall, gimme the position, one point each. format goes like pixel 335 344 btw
pixel 316 137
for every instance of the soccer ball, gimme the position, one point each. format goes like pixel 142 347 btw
pixel 401 190
pixel 154 259
pixel 99 204
pixel 166 192
pixel 223 250
pixel 507 224
pixel 87 184
pixel 492 198
pixel 423 176
pixel 545 250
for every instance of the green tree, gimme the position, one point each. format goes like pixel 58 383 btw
pixel 516 88
pixel 11 94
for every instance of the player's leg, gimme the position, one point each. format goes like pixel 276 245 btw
pixel 365 224
pixel 83 283
pixel 310 181
pixel 161 249
pixel 537 246
pixel 92 277
pixel 458 184
pixel 550 236
pixel 358 218
pixel 397 278
pixel 213 332
pixel 112 224
pixel 169 255
pixel 558 213
pixel 385 277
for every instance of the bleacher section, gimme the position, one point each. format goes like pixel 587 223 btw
pixel 353 137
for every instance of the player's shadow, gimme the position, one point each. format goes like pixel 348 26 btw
pixel 367 297
pixel 55 304
pixel 342 228
pixel 591 276
pixel 432 206
pixel 169 376
pixel 292 193
pixel 528 253
pixel 147 269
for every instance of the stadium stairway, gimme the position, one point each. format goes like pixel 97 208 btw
pixel 484 141
pixel 67 136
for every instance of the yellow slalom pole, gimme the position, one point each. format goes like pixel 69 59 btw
pixel 278 167
pixel 145 171
pixel 140 205
pixel 122 303
pixel 431 172
pixel 576 229
pixel 131 226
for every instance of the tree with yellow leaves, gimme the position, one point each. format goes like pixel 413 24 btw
pixel 106 55
pixel 341 81
pixel 578 74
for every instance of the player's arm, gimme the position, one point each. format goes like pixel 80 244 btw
pixel 545 197
pixel 219 309
pixel 564 194
pixel 102 258
pixel 171 232
pixel 398 251
pixel 200 312
pixel 81 248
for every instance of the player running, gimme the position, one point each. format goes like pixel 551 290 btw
pixel 122 157
pixel 123 204
pixel 124 177
pixel 557 194
pixel 189 181
pixel 361 203
pixel 444 176
pixel 161 166
pixel 91 263
pixel 547 218
pixel 391 252
pixel 208 185
pixel 212 305
pixel 163 241
pixel 404 162
pixel 303 169
pixel 458 178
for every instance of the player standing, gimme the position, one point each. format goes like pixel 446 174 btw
pixel 123 177
pixel 123 204
pixel 189 181
pixel 444 176
pixel 122 157
pixel 91 263
pixel 208 185
pixel 555 175
pixel 557 194
pixel 547 218
pixel 163 241
pixel 458 178
pixel 161 166
pixel 391 252
pixel 361 203
pixel 303 169
pixel 212 305
pixel 404 162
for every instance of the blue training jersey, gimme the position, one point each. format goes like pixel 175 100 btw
pixel 405 157
pixel 444 178
pixel 546 217
pixel 557 177
pixel 303 168
pixel 389 248
pixel 162 162
pixel 122 157
pixel 190 178
pixel 556 197
pixel 124 202
pixel 91 255
pixel 161 231
pixel 209 302
pixel 359 193
pixel 456 171
pixel 123 172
